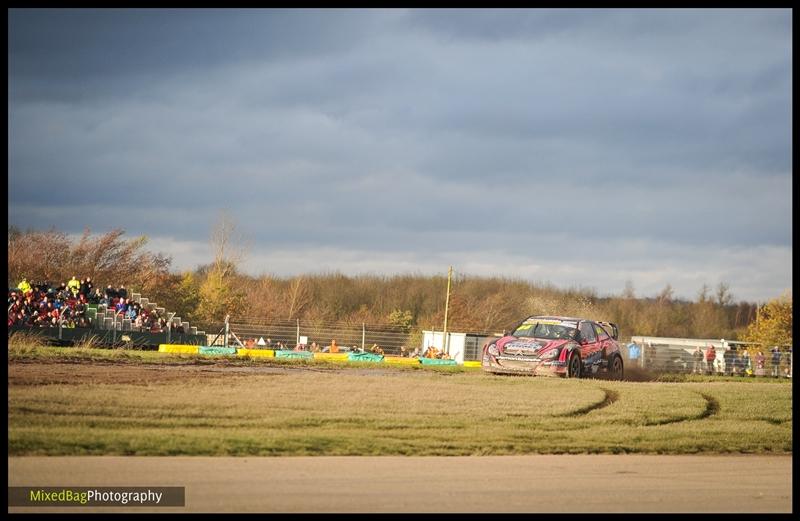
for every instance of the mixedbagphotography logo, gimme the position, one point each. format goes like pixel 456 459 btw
pixel 96 496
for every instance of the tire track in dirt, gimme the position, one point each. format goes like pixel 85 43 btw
pixel 712 408
pixel 608 398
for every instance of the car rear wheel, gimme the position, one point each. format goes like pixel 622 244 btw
pixel 616 368
pixel 574 367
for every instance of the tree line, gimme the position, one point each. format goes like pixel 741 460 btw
pixel 483 305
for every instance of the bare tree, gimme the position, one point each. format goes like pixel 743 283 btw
pixel 723 294
pixel 298 297
pixel 228 245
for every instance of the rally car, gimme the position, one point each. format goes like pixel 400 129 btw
pixel 556 346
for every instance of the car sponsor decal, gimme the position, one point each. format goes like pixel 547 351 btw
pixel 522 346
pixel 531 321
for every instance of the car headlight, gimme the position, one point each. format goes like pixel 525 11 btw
pixel 492 350
pixel 553 353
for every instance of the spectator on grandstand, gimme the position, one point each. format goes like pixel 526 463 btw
pixel 376 349
pixel 711 355
pixel 74 286
pixel 415 353
pixel 122 292
pixel 776 361
pixel 24 286
pixel 333 347
pixel 697 357
pixel 95 297
pixel 403 351
pixel 86 287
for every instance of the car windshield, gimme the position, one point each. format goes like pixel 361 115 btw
pixel 548 330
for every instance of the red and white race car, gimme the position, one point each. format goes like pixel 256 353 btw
pixel 556 346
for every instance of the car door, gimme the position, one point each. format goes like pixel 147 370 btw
pixel 591 351
pixel 605 341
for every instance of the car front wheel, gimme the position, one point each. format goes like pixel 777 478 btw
pixel 574 367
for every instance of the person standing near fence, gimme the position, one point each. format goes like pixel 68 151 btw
pixel 776 361
pixel 747 367
pixel 761 364
pixel 788 356
pixel 711 355
pixel 697 357
pixel 729 356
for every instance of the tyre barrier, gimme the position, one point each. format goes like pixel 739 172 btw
pixel 179 349
pixel 399 360
pixel 256 353
pixel 437 361
pixel 306 355
pixel 217 350
pixel 330 356
pixel 285 353
pixel 364 357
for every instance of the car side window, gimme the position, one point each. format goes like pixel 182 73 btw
pixel 601 333
pixel 587 332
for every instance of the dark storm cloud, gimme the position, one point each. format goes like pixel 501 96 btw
pixel 85 53
pixel 395 132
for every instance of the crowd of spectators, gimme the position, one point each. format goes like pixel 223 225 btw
pixel 733 361
pixel 45 305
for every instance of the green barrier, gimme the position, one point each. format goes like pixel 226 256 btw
pixel 436 361
pixel 364 357
pixel 217 350
pixel 305 355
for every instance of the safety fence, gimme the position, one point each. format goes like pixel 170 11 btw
pixel 287 334
pixel 729 358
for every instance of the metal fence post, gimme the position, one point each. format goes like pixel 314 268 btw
pixel 227 330
pixel 363 335
pixel 298 332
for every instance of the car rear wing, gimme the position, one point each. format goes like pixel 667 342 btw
pixel 612 328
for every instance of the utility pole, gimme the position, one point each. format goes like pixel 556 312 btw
pixel 446 305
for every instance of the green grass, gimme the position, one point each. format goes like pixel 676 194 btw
pixel 391 411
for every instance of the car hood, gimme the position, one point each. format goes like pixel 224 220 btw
pixel 512 345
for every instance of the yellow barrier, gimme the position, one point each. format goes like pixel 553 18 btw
pixel 330 356
pixel 472 363
pixel 179 348
pixel 399 360
pixel 256 352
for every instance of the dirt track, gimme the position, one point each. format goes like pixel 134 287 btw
pixel 596 483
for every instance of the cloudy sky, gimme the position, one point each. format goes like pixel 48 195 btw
pixel 584 148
